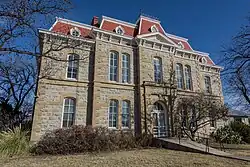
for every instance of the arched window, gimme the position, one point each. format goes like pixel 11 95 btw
pixel 75 32
pixel 154 28
pixel 179 76
pixel 208 88
pixel 69 112
pixel 180 44
pixel 119 30
pixel 113 66
pixel 125 114
pixel 113 113
pixel 125 68
pixel 72 70
pixel 188 78
pixel 157 70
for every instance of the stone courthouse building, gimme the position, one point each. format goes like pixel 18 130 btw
pixel 118 76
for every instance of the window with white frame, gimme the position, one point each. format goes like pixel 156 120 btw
pixel 157 70
pixel 75 32
pixel 125 68
pixel 154 28
pixel 69 112
pixel 113 66
pixel 119 30
pixel 188 77
pixel 179 75
pixel 203 60
pixel 208 88
pixel 113 113
pixel 125 114
pixel 180 44
pixel 72 70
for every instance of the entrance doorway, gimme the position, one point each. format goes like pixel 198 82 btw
pixel 159 120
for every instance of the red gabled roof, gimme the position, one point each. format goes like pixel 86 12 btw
pixel 64 28
pixel 185 43
pixel 110 26
pixel 145 26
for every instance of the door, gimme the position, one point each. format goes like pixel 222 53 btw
pixel 159 123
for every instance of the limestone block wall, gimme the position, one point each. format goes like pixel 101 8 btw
pixel 103 93
pixel 146 60
pixel 102 52
pixel 48 112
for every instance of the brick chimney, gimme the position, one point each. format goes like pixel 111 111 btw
pixel 95 21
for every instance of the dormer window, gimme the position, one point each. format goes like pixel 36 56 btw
pixel 154 29
pixel 203 60
pixel 119 30
pixel 180 44
pixel 75 32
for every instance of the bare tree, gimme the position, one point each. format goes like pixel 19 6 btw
pixel 237 69
pixel 17 84
pixel 194 113
pixel 20 20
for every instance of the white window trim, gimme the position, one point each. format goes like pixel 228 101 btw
pixel 75 29
pixel 118 57
pixel 180 44
pixel 119 27
pixel 66 76
pixel 129 115
pixel 63 110
pixel 154 27
pixel 161 68
pixel 114 128
pixel 129 59
pixel 203 60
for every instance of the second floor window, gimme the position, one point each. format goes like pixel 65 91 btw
pixel 113 113
pixel 188 79
pixel 72 70
pixel 69 112
pixel 157 70
pixel 125 68
pixel 208 88
pixel 179 76
pixel 113 66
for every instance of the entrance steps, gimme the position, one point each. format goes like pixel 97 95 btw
pixel 192 146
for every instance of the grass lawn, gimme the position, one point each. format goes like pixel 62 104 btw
pixel 135 158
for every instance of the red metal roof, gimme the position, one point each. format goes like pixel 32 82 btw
pixel 64 28
pixel 110 26
pixel 146 25
pixel 185 43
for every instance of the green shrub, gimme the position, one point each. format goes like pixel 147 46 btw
pixel 227 135
pixel 14 142
pixel 80 139
pixel 242 129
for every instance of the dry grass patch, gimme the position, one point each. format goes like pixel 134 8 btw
pixel 135 158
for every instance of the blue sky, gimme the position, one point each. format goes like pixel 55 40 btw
pixel 208 24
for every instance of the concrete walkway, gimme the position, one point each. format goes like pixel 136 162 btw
pixel 191 146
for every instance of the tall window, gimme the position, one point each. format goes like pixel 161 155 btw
pixel 125 114
pixel 113 113
pixel 69 112
pixel 157 70
pixel 113 66
pixel 72 66
pixel 125 68
pixel 188 78
pixel 208 84
pixel 179 76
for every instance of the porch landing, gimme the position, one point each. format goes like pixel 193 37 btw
pixel 191 146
